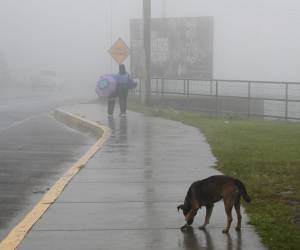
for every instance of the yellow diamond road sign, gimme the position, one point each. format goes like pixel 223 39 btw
pixel 119 51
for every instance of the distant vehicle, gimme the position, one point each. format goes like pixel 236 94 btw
pixel 46 80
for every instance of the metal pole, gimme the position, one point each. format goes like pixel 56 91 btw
pixel 217 103
pixel 140 89
pixel 162 91
pixel 147 48
pixel 286 100
pixel 249 96
pixel 187 93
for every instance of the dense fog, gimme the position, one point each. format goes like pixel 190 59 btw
pixel 252 40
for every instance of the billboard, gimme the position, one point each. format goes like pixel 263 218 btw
pixel 181 48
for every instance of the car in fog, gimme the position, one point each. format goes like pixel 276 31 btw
pixel 46 80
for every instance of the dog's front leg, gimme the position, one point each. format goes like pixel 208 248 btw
pixel 185 227
pixel 191 214
pixel 209 209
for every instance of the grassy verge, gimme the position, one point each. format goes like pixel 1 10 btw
pixel 265 155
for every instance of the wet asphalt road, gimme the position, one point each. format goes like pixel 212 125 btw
pixel 35 150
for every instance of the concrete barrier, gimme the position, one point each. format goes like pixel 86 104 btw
pixel 78 122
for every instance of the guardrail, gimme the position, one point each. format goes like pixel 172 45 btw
pixel 279 100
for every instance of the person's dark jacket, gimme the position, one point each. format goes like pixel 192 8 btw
pixel 124 80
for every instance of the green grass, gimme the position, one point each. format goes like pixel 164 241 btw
pixel 265 155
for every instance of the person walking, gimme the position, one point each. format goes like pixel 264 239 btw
pixel 124 83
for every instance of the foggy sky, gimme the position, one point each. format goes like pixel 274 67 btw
pixel 256 40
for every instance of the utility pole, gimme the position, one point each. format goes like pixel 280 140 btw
pixel 147 48
pixel 163 8
pixel 110 19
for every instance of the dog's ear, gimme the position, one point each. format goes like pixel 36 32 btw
pixel 180 207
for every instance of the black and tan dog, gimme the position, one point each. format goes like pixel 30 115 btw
pixel 210 190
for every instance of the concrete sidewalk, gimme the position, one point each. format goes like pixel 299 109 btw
pixel 126 196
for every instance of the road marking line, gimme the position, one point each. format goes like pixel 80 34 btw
pixel 18 233
pixel 17 123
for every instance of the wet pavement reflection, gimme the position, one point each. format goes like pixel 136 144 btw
pixel 126 196
pixel 192 242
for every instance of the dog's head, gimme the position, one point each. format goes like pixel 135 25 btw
pixel 186 208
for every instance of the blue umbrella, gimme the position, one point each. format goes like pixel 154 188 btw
pixel 106 85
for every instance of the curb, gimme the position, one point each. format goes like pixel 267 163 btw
pixel 18 233
pixel 79 123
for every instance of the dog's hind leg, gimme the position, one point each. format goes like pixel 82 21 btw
pixel 237 206
pixel 209 209
pixel 228 208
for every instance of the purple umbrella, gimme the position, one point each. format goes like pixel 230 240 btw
pixel 106 85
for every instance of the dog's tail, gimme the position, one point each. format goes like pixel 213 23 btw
pixel 243 190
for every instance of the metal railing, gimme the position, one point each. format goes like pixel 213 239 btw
pixel 279 100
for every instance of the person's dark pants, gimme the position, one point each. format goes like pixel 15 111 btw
pixel 122 93
pixel 110 105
